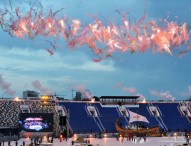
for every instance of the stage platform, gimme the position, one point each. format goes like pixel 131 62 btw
pixel 150 141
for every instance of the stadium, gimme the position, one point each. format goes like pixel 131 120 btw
pixel 133 55
pixel 51 120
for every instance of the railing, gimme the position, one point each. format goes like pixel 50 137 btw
pixel 85 107
pixel 178 107
pixel 148 109
pixel 68 125
pixel 160 117
pixel 160 113
pixel 163 123
pixel 98 124
pixel 97 111
pixel 101 124
pixel 118 111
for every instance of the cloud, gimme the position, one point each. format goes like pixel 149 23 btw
pixel 162 94
pixel 131 90
pixel 141 96
pixel 91 66
pixel 19 59
pixel 118 85
pixel 85 92
pixel 43 90
pixel 65 69
pixel 187 93
pixel 6 86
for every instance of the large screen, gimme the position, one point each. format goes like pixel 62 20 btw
pixel 36 122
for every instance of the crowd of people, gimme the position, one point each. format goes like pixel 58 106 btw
pixel 10 110
pixel 11 143
pixel 135 139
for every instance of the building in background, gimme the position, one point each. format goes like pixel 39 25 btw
pixel 78 96
pixel 27 94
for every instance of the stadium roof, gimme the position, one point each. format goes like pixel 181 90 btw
pixel 119 97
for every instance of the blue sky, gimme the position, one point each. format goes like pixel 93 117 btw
pixel 25 61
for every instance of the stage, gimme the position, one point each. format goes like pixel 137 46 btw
pixel 150 141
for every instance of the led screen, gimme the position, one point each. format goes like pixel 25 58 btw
pixel 36 122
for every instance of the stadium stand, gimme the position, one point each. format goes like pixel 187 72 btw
pixel 144 111
pixel 79 119
pixel 172 117
pixel 82 121
pixel 108 116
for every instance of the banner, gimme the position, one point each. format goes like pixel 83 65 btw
pixel 134 117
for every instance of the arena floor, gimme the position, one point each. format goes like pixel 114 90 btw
pixel 157 141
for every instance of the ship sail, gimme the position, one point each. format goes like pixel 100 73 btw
pixel 134 117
